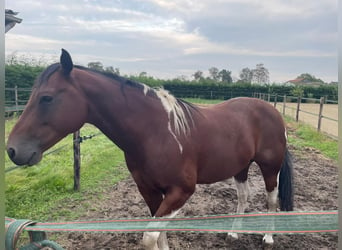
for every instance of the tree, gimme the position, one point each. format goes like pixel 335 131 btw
pixel 143 74
pixel 310 78
pixel 225 76
pixel 260 75
pixel 246 75
pixel 112 70
pixel 214 73
pixel 96 66
pixel 198 75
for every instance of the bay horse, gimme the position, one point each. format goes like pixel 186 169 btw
pixel 169 144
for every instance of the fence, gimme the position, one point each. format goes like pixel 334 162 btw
pixel 16 99
pixel 282 223
pixel 319 113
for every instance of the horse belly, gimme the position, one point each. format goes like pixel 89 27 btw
pixel 216 167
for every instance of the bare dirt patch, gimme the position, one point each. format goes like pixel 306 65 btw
pixel 315 181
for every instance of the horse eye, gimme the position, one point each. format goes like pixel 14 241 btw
pixel 45 99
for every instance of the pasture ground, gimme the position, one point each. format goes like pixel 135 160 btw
pixel 315 182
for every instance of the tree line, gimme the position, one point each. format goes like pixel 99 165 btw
pixel 22 73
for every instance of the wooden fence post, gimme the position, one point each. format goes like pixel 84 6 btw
pixel 275 100
pixel 77 160
pixel 298 108
pixel 16 98
pixel 321 102
pixel 284 104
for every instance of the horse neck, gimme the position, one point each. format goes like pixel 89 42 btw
pixel 118 110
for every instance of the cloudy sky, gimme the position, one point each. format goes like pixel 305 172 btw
pixel 171 38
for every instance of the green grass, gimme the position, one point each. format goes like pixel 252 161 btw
pixel 302 135
pixel 35 192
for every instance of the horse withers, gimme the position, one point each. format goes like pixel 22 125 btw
pixel 169 144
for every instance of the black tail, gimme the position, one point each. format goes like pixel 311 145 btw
pixel 285 183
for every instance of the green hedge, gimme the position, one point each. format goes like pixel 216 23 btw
pixel 23 76
pixel 224 92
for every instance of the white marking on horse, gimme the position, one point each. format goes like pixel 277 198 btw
pixel 175 112
pixel 157 240
pixel 175 137
pixel 285 134
pixel 146 89
pixel 242 189
pixel 272 201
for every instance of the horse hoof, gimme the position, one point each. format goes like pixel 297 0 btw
pixel 233 236
pixel 267 246
pixel 267 242
pixel 150 240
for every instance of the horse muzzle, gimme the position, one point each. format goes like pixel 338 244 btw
pixel 24 155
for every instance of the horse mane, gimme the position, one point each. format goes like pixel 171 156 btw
pixel 181 110
pixel 116 77
pixel 45 75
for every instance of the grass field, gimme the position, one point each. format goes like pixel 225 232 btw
pixel 35 192
pixel 45 191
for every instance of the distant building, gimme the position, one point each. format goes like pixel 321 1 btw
pixel 10 19
pixel 302 81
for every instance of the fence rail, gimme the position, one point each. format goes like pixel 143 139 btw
pixel 319 113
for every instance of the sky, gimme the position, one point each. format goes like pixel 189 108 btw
pixel 174 38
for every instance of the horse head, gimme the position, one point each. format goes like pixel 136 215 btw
pixel 55 108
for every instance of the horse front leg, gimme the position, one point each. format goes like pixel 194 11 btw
pixel 153 200
pixel 169 207
pixel 157 240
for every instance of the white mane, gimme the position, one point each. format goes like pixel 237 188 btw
pixel 175 113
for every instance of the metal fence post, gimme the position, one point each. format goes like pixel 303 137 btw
pixel 77 160
pixel 275 100
pixel 321 102
pixel 284 104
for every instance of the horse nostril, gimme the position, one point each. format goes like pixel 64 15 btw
pixel 11 153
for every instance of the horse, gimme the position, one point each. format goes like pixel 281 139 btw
pixel 169 145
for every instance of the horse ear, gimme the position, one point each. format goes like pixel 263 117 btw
pixel 66 62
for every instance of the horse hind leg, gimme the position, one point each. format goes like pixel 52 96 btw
pixel 271 183
pixel 242 189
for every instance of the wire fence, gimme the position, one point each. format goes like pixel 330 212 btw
pixel 320 113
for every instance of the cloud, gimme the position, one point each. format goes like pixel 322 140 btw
pixel 209 48
pixel 183 6
pixel 172 36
